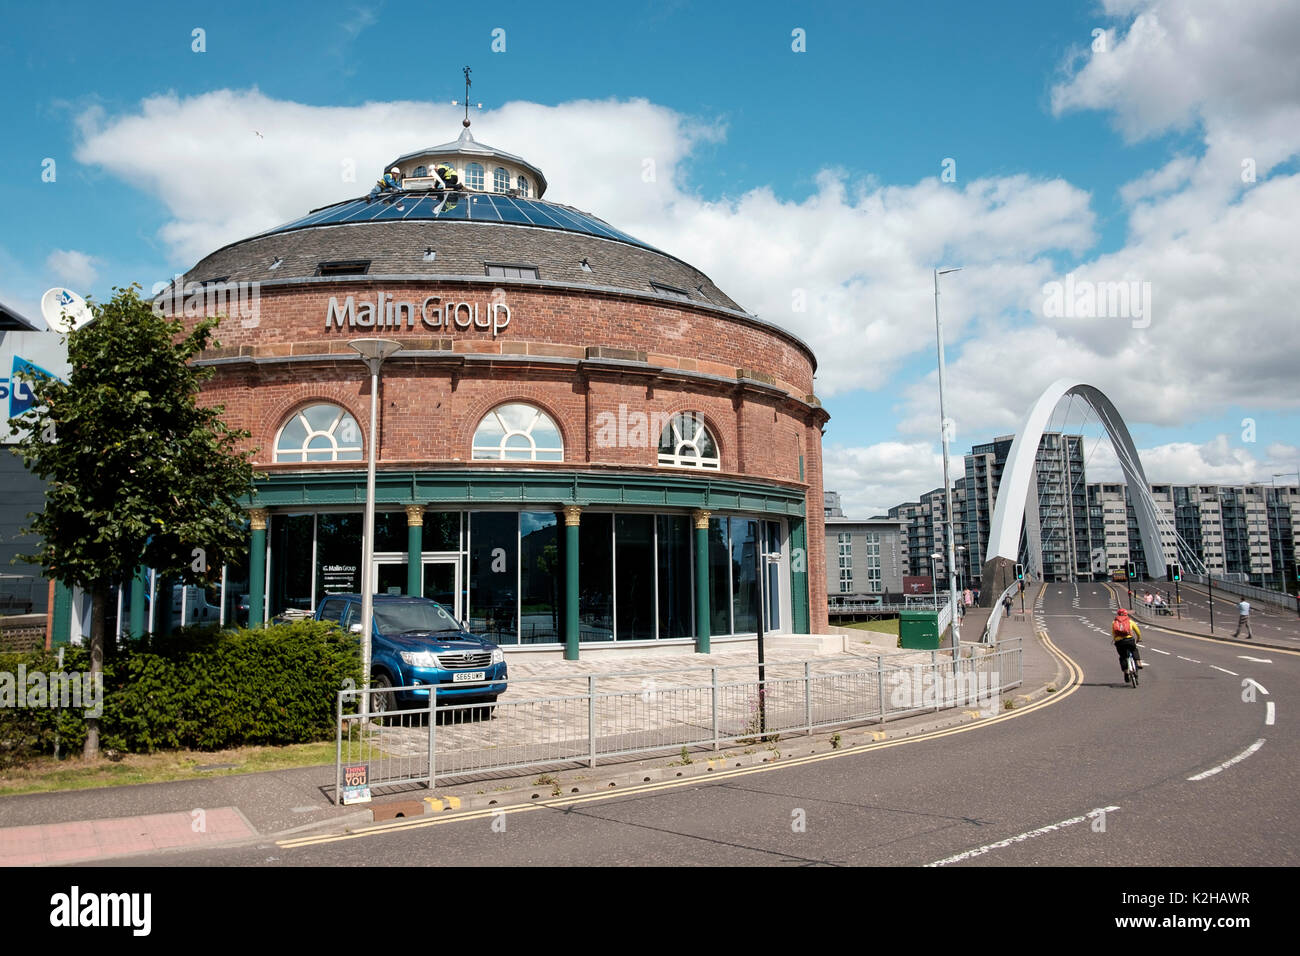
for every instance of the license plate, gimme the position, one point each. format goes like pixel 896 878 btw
pixel 465 677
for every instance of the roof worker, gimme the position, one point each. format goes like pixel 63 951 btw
pixel 391 182
pixel 447 173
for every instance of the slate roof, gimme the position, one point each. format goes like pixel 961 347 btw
pixel 460 249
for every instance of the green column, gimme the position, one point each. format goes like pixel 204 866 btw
pixel 139 615
pixel 414 550
pixel 799 617
pixel 257 568
pixel 572 517
pixel 701 581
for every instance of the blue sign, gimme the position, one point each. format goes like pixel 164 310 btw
pixel 20 394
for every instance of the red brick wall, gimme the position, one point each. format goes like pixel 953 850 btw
pixel 430 407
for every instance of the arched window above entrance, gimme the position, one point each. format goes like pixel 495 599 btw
pixel 320 432
pixel 685 442
pixel 517 432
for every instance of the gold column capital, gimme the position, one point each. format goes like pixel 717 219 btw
pixel 414 516
pixel 572 516
pixel 701 519
pixel 257 518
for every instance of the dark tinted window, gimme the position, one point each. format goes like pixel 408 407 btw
pixel 333 610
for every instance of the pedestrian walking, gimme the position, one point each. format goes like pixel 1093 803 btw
pixel 1243 617
pixel 1006 603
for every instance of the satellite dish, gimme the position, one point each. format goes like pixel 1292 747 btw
pixel 64 310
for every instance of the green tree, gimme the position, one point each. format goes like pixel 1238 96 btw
pixel 137 472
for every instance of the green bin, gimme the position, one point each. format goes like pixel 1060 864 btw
pixel 919 630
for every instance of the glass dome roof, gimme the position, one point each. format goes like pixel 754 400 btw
pixel 459 207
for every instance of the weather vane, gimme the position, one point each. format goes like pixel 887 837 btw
pixel 465 121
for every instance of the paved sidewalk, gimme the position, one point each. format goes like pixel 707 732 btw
pixel 118 822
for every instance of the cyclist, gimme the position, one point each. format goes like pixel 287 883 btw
pixel 1126 635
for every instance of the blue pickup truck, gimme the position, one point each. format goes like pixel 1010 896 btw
pixel 417 643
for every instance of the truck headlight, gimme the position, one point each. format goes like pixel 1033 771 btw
pixel 420 658
pixel 498 656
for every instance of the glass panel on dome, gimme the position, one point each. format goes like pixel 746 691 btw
pixel 510 211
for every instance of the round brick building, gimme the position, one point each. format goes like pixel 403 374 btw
pixel 581 442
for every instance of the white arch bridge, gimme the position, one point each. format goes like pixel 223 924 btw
pixel 1018 483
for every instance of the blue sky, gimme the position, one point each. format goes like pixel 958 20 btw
pixel 1053 142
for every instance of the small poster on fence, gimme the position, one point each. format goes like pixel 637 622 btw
pixel 356 784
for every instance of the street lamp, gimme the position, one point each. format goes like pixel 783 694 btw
pixel 372 352
pixel 947 484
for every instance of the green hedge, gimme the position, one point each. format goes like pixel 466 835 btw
pixel 196 689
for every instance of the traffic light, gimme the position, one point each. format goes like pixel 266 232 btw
pixel 1178 572
pixel 1129 570
pixel 1020 572
pixel 1169 573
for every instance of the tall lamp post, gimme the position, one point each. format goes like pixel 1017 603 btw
pixel 947 484
pixel 372 352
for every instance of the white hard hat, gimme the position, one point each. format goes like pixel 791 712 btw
pixel 395 170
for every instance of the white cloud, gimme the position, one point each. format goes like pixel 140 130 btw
pixel 860 257
pixel 1222 460
pixel 1179 61
pixel 874 478
pixel 76 269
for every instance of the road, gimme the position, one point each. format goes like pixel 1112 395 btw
pixel 1197 766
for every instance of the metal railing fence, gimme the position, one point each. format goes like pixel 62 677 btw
pixel 560 721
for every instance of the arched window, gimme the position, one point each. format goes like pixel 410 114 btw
pixel 500 180
pixel 517 432
pixel 319 433
pixel 420 171
pixel 686 443
pixel 474 175
pixel 523 186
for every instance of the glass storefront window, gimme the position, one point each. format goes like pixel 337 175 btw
pixel 744 584
pixel 441 530
pixel 596 578
pixel 676 576
pixel 390 531
pixel 338 553
pixel 541 576
pixel 719 577
pixel 494 575
pixel 291 544
pixel 634 572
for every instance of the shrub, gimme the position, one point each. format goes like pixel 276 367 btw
pixel 200 689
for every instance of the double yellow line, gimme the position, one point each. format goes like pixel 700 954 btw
pixel 1074 678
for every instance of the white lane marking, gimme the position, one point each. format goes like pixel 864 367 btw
pixel 1225 670
pixel 1257 660
pixel 1256 684
pixel 1228 763
pixel 1051 827
pixel 1268 715
pixel 1192 659
pixel 1158 651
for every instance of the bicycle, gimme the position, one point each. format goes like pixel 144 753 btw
pixel 1130 670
